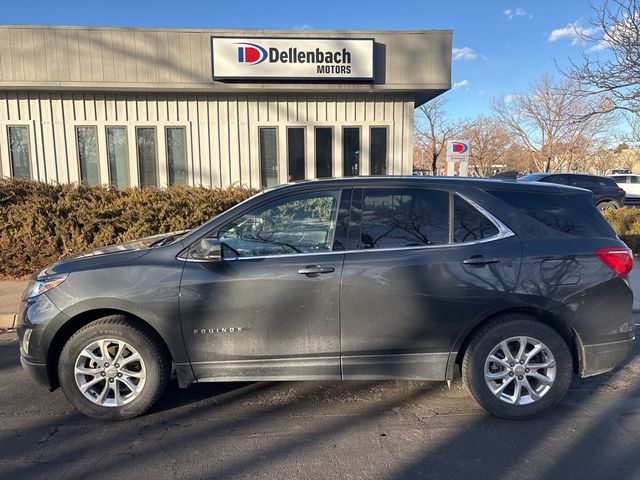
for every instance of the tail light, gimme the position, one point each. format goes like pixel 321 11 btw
pixel 618 259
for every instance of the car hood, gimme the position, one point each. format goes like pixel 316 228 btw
pixel 138 244
pixel 110 254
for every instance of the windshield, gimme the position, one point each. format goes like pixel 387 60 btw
pixel 533 177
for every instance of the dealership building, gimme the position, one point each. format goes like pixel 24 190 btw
pixel 155 107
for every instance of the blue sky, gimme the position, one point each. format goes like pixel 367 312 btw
pixel 501 46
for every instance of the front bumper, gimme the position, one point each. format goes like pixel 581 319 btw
pixel 604 357
pixel 37 371
pixel 38 319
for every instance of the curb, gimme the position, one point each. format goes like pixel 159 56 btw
pixel 7 320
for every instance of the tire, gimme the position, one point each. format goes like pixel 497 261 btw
pixel 121 368
pixel 495 384
pixel 609 205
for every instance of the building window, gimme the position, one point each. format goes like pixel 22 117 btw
pixel 88 155
pixel 19 153
pixel 176 156
pixel 324 152
pixel 295 153
pixel 351 151
pixel 268 157
pixel 378 150
pixel 118 156
pixel 147 162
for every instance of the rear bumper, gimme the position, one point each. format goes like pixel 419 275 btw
pixel 603 357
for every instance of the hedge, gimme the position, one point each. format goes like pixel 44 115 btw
pixel 626 222
pixel 43 223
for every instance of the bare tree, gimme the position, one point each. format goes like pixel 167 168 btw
pixel 488 144
pixel 602 161
pixel 433 129
pixel 553 123
pixel 610 59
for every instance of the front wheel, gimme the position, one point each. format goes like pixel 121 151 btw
pixel 517 368
pixel 112 370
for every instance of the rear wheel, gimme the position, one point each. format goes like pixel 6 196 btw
pixel 517 368
pixel 610 205
pixel 112 370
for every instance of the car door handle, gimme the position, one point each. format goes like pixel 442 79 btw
pixel 309 269
pixel 479 260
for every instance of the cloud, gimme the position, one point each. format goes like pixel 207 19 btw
pixel 573 32
pixel 460 84
pixel 304 26
pixel 509 98
pixel 518 12
pixel 465 54
pixel 621 33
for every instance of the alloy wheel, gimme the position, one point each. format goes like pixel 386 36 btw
pixel 520 370
pixel 110 372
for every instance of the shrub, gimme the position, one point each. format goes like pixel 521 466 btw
pixel 626 222
pixel 43 223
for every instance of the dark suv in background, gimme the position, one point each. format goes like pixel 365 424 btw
pixel 517 284
pixel 607 195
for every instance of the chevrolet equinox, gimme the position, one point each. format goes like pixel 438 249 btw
pixel 519 285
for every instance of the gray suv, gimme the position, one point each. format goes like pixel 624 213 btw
pixel 519 285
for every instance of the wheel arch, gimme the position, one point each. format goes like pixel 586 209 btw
pixel 567 333
pixel 75 323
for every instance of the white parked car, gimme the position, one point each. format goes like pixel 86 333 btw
pixel 630 183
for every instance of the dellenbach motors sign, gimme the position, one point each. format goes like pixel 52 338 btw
pixel 292 58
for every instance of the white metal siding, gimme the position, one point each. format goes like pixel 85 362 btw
pixel 222 129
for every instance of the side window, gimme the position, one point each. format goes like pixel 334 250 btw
pixel 556 211
pixel 590 183
pixel 303 223
pixel 633 179
pixel 404 218
pixel 469 224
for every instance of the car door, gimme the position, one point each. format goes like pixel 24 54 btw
pixel 426 264
pixel 267 306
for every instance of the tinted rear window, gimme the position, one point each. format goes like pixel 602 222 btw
pixel 563 213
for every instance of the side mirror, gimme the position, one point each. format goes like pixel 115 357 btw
pixel 207 249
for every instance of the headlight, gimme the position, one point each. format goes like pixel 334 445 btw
pixel 43 284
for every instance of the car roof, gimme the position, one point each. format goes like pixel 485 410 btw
pixel 443 182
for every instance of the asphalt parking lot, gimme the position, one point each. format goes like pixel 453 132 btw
pixel 354 430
